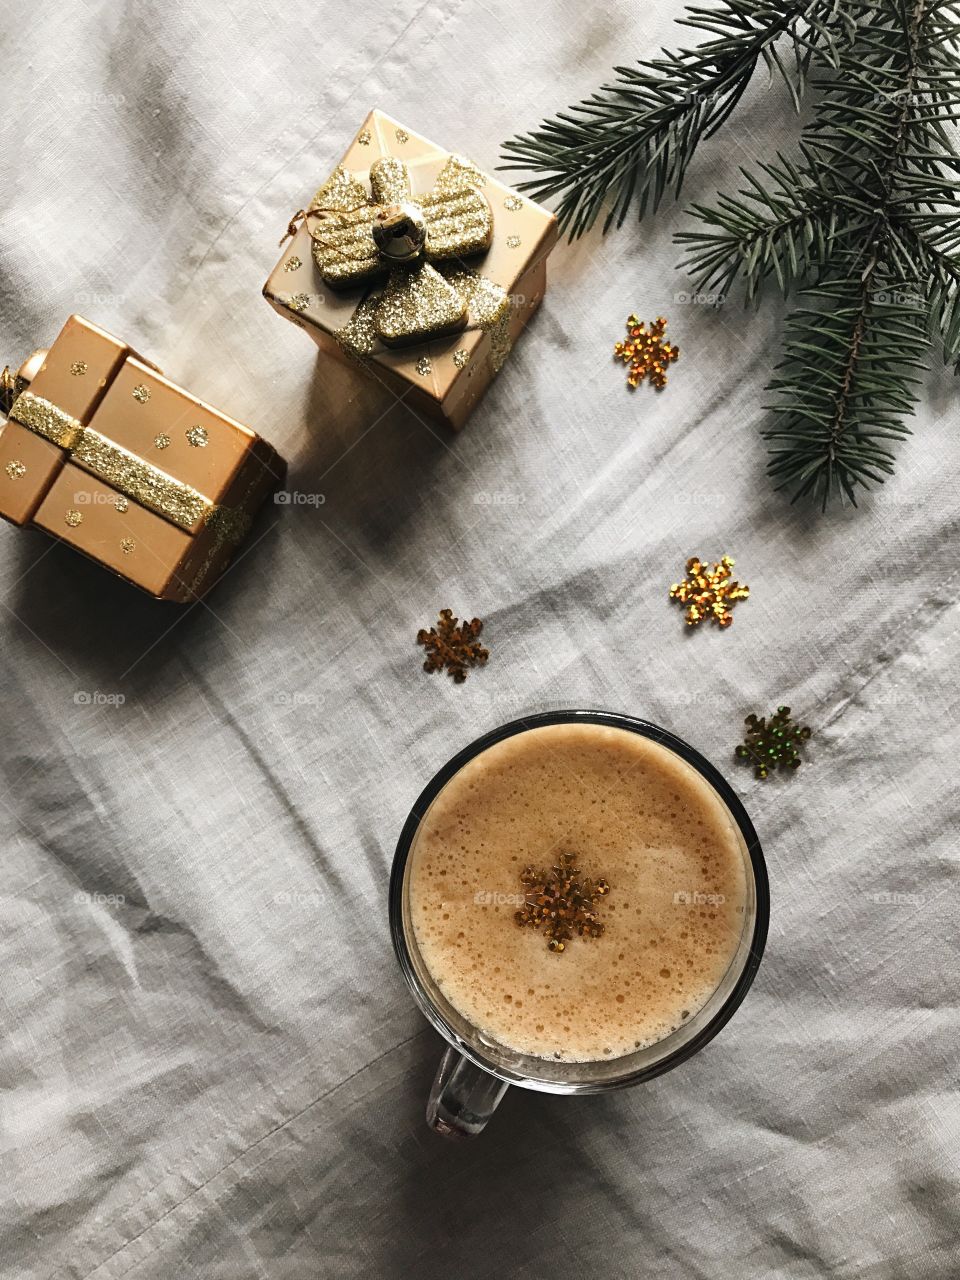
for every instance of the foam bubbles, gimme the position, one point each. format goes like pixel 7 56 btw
pixel 634 813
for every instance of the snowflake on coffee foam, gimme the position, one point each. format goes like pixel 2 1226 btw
pixel 559 903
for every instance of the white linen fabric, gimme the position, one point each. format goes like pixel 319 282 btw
pixel 210 1064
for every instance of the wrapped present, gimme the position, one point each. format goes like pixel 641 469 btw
pixel 413 263
pixel 104 452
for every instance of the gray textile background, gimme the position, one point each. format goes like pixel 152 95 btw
pixel 223 1076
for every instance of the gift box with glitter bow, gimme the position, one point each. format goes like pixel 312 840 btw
pixel 413 263
pixel 100 449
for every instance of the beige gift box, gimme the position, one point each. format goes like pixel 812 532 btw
pixel 104 452
pixel 502 284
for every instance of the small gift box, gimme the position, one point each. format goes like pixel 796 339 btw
pixel 103 451
pixel 413 263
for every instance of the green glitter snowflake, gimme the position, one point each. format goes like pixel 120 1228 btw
pixel 774 745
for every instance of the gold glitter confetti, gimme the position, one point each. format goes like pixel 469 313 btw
pixel 460 357
pixel 364 137
pixel 402 136
pixel 162 441
pixel 513 203
pixel 646 352
pixel 513 242
pixel 141 393
pixel 299 302
pixel 73 518
pixel 78 368
pixel 197 437
pixel 15 469
pixel 120 503
pixel 560 903
pixel 424 366
pixel 709 593
pixel 293 263
pixel 127 545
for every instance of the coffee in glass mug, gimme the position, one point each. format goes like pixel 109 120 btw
pixel 579 901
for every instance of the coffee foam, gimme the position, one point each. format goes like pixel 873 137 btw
pixel 633 812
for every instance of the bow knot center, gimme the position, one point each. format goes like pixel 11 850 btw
pixel 400 231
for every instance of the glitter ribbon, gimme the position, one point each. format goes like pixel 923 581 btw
pixel 146 484
pixel 45 419
pixel 432 297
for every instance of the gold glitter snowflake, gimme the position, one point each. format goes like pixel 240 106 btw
pixel 73 518
pixel 460 357
pixel 127 545
pixel 513 203
pixel 141 393
pixel 121 503
pixel 646 352
pixel 293 263
pixel 709 593
pixel 162 441
pixel 197 437
pixel 78 368
pixel 452 646
pixel 15 469
pixel 560 903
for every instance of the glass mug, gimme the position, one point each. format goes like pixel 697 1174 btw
pixel 476 1070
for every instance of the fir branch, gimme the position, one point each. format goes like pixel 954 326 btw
pixel 846 381
pixel 879 128
pixel 866 225
pixel 762 231
pixel 629 142
pixel 944 272
pixel 863 224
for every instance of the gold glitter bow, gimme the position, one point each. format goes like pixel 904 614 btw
pixel 413 246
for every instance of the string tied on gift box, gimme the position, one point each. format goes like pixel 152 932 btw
pixel 302 216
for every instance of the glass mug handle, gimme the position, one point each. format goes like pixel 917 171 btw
pixel 463 1097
